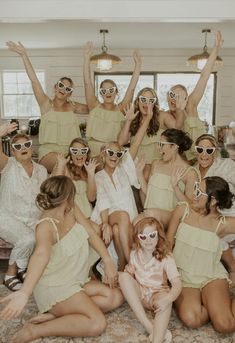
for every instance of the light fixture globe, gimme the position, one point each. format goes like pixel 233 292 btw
pixel 104 61
pixel 200 60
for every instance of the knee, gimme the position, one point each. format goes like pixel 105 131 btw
pixel 191 319
pixel 223 324
pixel 124 217
pixel 98 325
pixel 115 299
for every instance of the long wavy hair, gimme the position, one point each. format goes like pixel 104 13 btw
pixel 77 172
pixel 154 123
pixel 162 248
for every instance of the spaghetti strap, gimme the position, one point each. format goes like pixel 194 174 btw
pixel 222 220
pixel 186 210
pixel 53 221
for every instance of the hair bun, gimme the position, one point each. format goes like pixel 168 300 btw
pixel 43 201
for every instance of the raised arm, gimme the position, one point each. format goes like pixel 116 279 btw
pixel 124 134
pixel 4 130
pixel 40 96
pixel 133 82
pixel 37 264
pixel 137 139
pixel 197 93
pixel 91 184
pixel 60 166
pixel 91 99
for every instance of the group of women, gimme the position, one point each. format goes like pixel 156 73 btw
pixel 88 210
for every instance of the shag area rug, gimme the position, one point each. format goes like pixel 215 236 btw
pixel 122 326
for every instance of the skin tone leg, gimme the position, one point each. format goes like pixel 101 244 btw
pixel 228 259
pixel 190 309
pixel 118 248
pixel 122 219
pixel 12 269
pixel 160 323
pixel 77 316
pixel 49 161
pixel 161 215
pixel 221 309
pixel 131 292
pixel 105 298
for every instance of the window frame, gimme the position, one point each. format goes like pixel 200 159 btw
pixel 15 71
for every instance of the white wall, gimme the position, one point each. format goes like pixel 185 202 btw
pixel 68 62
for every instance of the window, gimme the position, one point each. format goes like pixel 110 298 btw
pixel 18 100
pixel 162 82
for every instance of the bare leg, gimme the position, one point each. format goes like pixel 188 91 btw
pixel 161 322
pixel 12 269
pixel 161 215
pixel 221 309
pixel 76 316
pixel 41 318
pixel 131 292
pixel 118 247
pixel 122 219
pixel 105 298
pixel 49 161
pixel 190 309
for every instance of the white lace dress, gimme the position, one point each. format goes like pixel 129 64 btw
pixel 18 211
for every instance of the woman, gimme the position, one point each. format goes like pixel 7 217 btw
pixel 71 304
pixel 149 146
pixel 194 232
pixel 192 124
pixel 171 178
pixel 210 164
pixel 81 169
pixel 59 124
pixel 20 182
pixel 104 122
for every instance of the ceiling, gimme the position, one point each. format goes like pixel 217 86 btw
pixel 144 24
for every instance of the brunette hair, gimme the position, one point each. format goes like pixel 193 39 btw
pixel 179 138
pixel 218 188
pixel 154 123
pixel 162 248
pixel 54 191
pixel 72 168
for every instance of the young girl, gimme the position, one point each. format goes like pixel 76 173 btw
pixel 20 183
pixel 115 206
pixel 144 282
pixel 81 169
pixel 171 178
pixel 58 271
pixel 106 117
pixel 194 232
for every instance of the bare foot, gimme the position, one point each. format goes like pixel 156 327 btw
pixel 41 318
pixel 168 337
pixel 24 335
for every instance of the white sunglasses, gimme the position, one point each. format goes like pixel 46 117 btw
pixel 77 151
pixel 145 100
pixel 144 236
pixel 197 192
pixel 19 146
pixel 112 153
pixel 206 150
pixel 64 88
pixel 161 144
pixel 110 90
pixel 172 95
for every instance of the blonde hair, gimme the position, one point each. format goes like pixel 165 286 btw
pixel 209 137
pixel 162 248
pixel 19 136
pixel 54 191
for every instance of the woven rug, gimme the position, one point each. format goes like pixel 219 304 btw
pixel 122 326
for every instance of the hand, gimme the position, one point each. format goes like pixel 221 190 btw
pixel 16 303
pixel 107 233
pixel 181 100
pixel 88 48
pixel 18 48
pixel 139 165
pixel 61 160
pixel 150 112
pixel 129 112
pixel 177 174
pixel 111 274
pixel 218 40
pixel 7 128
pixel 91 166
pixel 160 301
pixel 137 57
